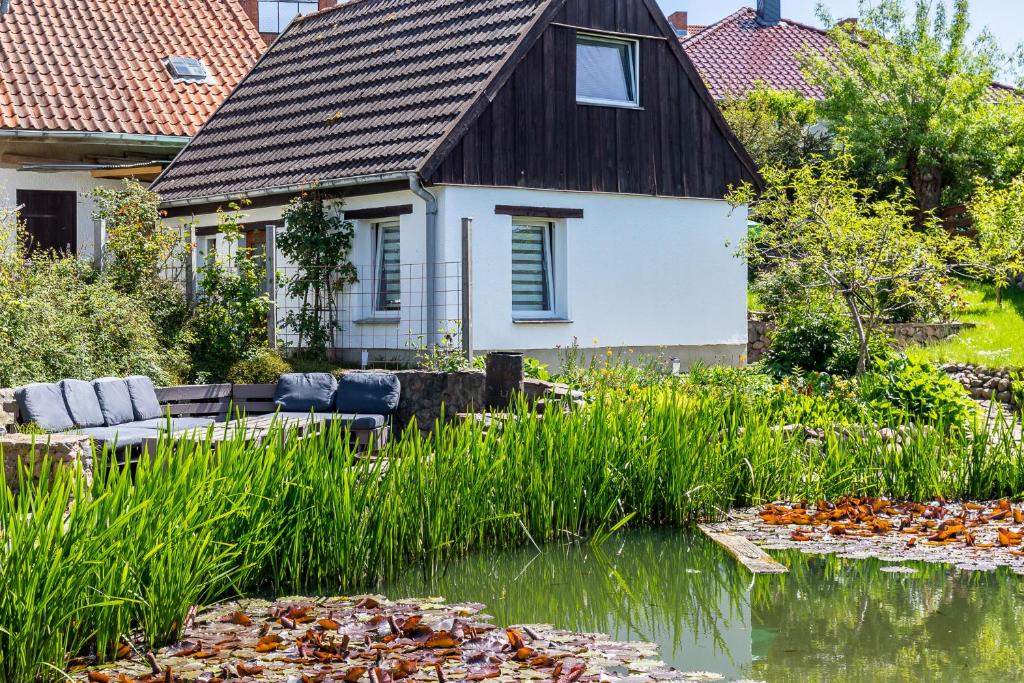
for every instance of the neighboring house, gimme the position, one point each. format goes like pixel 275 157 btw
pixel 99 90
pixel 752 46
pixel 575 133
pixel 272 17
pixel 760 46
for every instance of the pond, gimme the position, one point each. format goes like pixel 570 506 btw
pixel 827 620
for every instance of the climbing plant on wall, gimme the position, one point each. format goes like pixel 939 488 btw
pixel 318 243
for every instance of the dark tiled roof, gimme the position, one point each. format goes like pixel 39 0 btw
pixel 360 89
pixel 736 53
pixel 97 65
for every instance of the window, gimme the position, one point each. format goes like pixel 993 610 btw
pixel 187 69
pixel 275 15
pixel 388 256
pixel 532 271
pixel 606 71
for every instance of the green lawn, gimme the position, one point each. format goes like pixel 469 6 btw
pixel 998 339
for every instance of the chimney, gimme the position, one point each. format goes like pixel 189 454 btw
pixel 769 12
pixel 680 23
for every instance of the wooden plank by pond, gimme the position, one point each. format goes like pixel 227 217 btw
pixel 749 555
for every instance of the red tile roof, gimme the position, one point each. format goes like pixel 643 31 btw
pixel 737 52
pixel 98 65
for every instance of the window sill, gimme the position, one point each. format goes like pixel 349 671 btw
pixel 380 320
pixel 541 321
pixel 612 105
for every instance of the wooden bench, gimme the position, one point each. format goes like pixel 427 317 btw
pixel 244 406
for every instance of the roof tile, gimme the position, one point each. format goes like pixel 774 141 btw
pixel 98 66
pixel 361 88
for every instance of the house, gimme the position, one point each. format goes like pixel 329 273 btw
pixel 759 46
pixel 271 17
pixel 575 134
pixel 92 92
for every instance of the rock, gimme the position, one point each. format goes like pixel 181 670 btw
pixel 1005 397
pixel 1004 385
pixel 423 394
pixel 64 450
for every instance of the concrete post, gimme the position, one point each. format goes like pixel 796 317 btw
pixel 467 288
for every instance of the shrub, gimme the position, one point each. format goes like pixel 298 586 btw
pixel 901 390
pixel 264 367
pixel 813 341
pixel 59 320
pixel 230 319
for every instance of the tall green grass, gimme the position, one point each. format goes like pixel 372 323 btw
pixel 123 562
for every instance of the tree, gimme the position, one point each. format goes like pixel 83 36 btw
pixel 138 243
pixel 998 216
pixel 913 96
pixel 817 227
pixel 318 244
pixel 777 127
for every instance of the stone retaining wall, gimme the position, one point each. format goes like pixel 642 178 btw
pixel 760 326
pixel 986 384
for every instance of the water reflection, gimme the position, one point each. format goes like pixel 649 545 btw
pixel 827 620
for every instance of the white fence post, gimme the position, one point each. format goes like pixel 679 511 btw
pixel 270 250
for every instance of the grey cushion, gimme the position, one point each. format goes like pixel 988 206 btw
pixel 175 424
pixel 368 393
pixel 115 401
pixel 354 422
pixel 121 436
pixel 301 393
pixel 44 405
pixel 83 406
pixel 144 401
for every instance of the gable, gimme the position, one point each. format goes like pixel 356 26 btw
pixel 368 87
pixel 533 133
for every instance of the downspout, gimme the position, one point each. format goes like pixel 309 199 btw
pixel 433 235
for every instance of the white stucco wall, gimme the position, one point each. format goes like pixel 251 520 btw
pixel 638 272
pixel 81 182
pixel 651 274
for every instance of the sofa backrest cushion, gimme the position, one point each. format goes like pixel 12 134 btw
pixel 83 406
pixel 305 392
pixel 368 393
pixel 43 404
pixel 144 401
pixel 115 401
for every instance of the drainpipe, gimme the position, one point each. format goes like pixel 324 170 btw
pixel 433 237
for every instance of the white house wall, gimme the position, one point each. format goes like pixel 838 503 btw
pixel 80 182
pixel 646 275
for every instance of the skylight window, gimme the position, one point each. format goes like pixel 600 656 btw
pixel 606 71
pixel 187 69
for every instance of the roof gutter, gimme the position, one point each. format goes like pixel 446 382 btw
pixel 93 137
pixel 286 189
pixel 433 236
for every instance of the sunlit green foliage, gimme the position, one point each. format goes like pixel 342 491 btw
pixel 910 93
pixel 998 216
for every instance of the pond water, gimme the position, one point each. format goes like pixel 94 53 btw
pixel 827 620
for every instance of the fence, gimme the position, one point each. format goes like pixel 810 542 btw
pixel 395 318
pixel 391 321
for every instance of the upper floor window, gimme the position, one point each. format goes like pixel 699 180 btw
pixel 275 15
pixel 607 71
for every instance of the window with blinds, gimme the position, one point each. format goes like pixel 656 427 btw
pixel 532 275
pixel 389 279
pixel 606 71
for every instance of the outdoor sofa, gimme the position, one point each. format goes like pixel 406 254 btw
pixel 127 413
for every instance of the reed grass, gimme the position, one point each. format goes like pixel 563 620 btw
pixel 121 564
